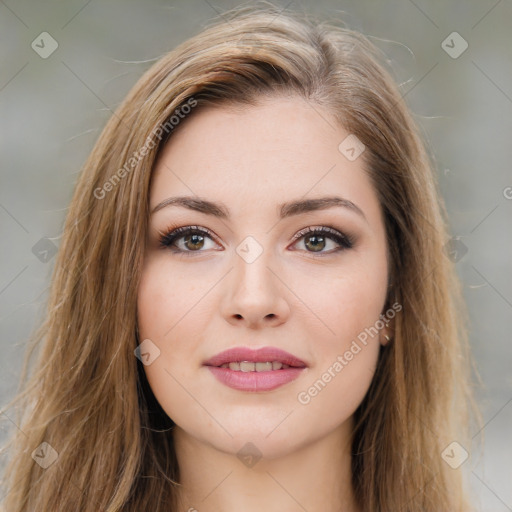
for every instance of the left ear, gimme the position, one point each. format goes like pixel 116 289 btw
pixel 387 333
pixel 385 336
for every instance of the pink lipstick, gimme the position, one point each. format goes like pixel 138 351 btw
pixel 262 369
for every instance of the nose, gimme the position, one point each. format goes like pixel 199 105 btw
pixel 254 294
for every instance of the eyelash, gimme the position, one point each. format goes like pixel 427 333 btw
pixel 173 233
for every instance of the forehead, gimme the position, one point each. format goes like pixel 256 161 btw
pixel 279 149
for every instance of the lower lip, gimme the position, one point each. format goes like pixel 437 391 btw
pixel 255 381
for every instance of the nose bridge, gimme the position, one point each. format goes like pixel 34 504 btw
pixel 253 279
pixel 254 292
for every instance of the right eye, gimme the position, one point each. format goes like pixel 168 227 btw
pixel 186 239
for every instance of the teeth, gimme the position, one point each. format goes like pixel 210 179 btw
pixel 248 366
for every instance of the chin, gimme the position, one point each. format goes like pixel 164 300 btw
pixel 265 438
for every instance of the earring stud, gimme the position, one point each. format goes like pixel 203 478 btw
pixel 387 338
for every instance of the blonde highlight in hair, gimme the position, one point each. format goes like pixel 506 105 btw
pixel 87 395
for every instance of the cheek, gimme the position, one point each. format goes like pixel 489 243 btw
pixel 345 301
pixel 165 297
pixel 336 390
pixel 349 306
pixel 347 352
pixel 167 309
pixel 154 315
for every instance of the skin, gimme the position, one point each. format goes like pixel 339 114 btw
pixel 195 305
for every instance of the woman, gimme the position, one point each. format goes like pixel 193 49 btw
pixel 252 307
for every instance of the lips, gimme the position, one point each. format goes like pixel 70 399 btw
pixel 255 370
pixel 261 355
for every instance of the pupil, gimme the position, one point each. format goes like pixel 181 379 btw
pixel 194 239
pixel 315 237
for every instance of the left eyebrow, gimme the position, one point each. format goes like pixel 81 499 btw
pixel 288 209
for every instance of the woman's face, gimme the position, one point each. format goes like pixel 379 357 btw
pixel 249 276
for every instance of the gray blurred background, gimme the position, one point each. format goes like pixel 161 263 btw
pixel 54 105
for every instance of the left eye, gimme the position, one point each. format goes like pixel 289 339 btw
pixel 316 238
pixel 192 239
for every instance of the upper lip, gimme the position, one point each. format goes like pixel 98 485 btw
pixel 259 355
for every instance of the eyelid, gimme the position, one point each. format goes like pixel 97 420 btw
pixel 175 232
pixel 324 229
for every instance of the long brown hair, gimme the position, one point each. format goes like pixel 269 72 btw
pixel 87 396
